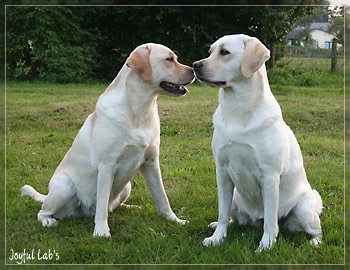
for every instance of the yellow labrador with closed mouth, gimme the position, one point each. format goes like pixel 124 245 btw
pixel 259 166
pixel 120 137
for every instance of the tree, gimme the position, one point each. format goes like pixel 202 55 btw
pixel 47 43
pixel 336 28
pixel 186 30
pixel 189 29
pixel 336 20
pixel 73 43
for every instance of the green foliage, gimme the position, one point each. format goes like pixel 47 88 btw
pixel 187 30
pixel 299 77
pixel 47 43
pixel 337 28
pixel 74 43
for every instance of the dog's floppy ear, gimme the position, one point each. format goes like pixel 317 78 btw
pixel 254 56
pixel 140 62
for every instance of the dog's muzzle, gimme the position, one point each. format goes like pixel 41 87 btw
pixel 198 72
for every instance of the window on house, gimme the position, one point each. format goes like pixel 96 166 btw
pixel 328 45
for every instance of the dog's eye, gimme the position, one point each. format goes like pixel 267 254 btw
pixel 224 52
pixel 170 59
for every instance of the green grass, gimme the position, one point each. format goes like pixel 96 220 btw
pixel 43 119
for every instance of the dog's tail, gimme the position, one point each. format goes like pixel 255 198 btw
pixel 27 190
pixel 318 199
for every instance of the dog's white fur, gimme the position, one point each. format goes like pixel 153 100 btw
pixel 120 137
pixel 259 166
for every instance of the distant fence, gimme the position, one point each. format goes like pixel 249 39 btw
pixel 311 52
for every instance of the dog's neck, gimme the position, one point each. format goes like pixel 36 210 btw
pixel 141 95
pixel 244 100
pixel 137 98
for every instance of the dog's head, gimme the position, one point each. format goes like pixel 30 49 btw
pixel 158 65
pixel 232 58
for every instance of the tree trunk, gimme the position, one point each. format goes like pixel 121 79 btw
pixel 334 55
pixel 271 61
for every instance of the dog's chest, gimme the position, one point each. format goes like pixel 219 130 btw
pixel 142 137
pixel 240 162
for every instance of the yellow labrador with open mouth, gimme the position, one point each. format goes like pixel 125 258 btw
pixel 120 137
pixel 259 166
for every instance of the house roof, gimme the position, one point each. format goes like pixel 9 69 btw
pixel 315 26
pixel 294 34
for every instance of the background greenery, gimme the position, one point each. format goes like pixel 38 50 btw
pixel 44 118
pixel 79 43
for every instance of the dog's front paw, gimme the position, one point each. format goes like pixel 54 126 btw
pixel 218 236
pixel 102 231
pixel 266 242
pixel 172 217
pixel 212 241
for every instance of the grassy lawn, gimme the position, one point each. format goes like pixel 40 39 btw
pixel 43 119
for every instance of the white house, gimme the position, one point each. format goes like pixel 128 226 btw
pixel 318 32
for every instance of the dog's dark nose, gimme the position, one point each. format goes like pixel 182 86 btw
pixel 197 64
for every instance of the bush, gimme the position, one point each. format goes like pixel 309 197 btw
pixel 298 76
pixel 308 78
pixel 65 64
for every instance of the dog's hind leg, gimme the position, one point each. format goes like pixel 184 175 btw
pixel 58 202
pixel 120 198
pixel 305 217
